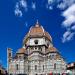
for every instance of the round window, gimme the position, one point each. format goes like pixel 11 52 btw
pixel 36 41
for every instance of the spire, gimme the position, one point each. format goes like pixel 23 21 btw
pixel 37 23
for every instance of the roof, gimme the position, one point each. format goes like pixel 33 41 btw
pixel 21 50
pixel 38 31
pixel 52 49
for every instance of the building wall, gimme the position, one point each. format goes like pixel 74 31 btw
pixel 28 67
pixel 41 41
pixel 17 67
pixel 37 62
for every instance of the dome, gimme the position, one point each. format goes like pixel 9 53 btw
pixel 37 31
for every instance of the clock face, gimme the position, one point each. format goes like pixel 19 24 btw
pixel 36 41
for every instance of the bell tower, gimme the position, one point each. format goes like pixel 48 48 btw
pixel 9 57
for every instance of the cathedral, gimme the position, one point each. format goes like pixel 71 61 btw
pixel 37 56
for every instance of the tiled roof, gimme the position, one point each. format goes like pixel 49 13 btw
pixel 58 56
pixel 52 49
pixel 21 50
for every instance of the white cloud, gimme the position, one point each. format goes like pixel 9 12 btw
pixel 65 3
pixel 26 24
pixel 70 11
pixel 23 3
pixel 69 23
pixel 20 4
pixel 17 5
pixel 73 27
pixel 49 7
pixel 50 2
pixel 61 6
pixel 17 10
pixel 18 13
pixel 70 37
pixel 69 20
pixel 33 6
pixel 67 36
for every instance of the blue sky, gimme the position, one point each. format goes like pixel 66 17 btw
pixel 16 18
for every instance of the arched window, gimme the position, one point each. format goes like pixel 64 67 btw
pixel 52 56
pixel 54 65
pixel 43 67
pixel 40 48
pixel 9 54
pixel 35 67
pixel 17 66
pixel 28 67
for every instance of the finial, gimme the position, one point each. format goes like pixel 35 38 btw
pixel 37 23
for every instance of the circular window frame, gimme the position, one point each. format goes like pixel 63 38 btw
pixel 36 42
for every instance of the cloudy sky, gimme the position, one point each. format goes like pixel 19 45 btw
pixel 56 16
